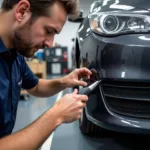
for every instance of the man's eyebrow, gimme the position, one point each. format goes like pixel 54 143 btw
pixel 55 30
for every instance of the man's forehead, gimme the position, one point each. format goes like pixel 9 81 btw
pixel 57 20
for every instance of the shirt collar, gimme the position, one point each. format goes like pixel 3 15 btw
pixel 2 47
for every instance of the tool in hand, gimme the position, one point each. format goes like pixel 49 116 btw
pixel 89 89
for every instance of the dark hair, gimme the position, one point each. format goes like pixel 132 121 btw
pixel 39 7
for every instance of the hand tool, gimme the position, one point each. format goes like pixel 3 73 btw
pixel 87 90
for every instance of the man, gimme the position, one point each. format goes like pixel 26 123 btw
pixel 25 27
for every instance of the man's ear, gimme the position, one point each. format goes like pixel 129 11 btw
pixel 22 10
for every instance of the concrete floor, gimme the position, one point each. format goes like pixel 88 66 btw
pixel 31 109
pixel 69 137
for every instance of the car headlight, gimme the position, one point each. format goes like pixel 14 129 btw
pixel 114 23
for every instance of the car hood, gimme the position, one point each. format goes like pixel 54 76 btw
pixel 143 4
pixel 128 5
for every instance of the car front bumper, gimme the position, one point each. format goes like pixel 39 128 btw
pixel 124 60
pixel 98 112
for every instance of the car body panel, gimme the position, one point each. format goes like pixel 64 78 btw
pixel 118 57
pixel 110 5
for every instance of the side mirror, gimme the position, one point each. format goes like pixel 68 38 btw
pixel 76 19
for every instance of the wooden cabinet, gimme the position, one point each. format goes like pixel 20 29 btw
pixel 38 68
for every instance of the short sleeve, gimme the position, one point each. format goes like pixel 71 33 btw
pixel 29 79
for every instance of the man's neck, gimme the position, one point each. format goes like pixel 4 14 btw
pixel 5 28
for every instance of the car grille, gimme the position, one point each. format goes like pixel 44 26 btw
pixel 127 98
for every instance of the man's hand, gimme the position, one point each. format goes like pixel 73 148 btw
pixel 73 79
pixel 70 106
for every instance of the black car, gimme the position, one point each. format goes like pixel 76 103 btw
pixel 114 40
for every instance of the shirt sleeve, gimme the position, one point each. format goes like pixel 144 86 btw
pixel 29 80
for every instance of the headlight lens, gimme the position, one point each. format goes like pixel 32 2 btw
pixel 112 23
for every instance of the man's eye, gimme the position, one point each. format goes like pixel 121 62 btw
pixel 50 32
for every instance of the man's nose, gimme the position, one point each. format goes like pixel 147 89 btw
pixel 49 42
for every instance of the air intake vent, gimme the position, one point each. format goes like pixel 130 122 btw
pixel 127 98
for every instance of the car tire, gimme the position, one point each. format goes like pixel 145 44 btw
pixel 88 127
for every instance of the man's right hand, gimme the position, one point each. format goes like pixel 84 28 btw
pixel 70 106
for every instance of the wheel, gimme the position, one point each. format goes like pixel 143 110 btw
pixel 88 127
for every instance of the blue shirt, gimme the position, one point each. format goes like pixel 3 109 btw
pixel 14 75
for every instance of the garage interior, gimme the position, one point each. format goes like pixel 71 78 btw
pixel 68 136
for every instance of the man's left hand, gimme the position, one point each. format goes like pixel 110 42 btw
pixel 74 78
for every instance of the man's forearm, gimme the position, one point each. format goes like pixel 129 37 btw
pixel 33 136
pixel 46 88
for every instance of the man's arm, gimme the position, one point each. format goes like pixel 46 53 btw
pixel 34 135
pixel 66 110
pixel 46 88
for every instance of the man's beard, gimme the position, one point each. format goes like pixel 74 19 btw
pixel 22 46
pixel 23 42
